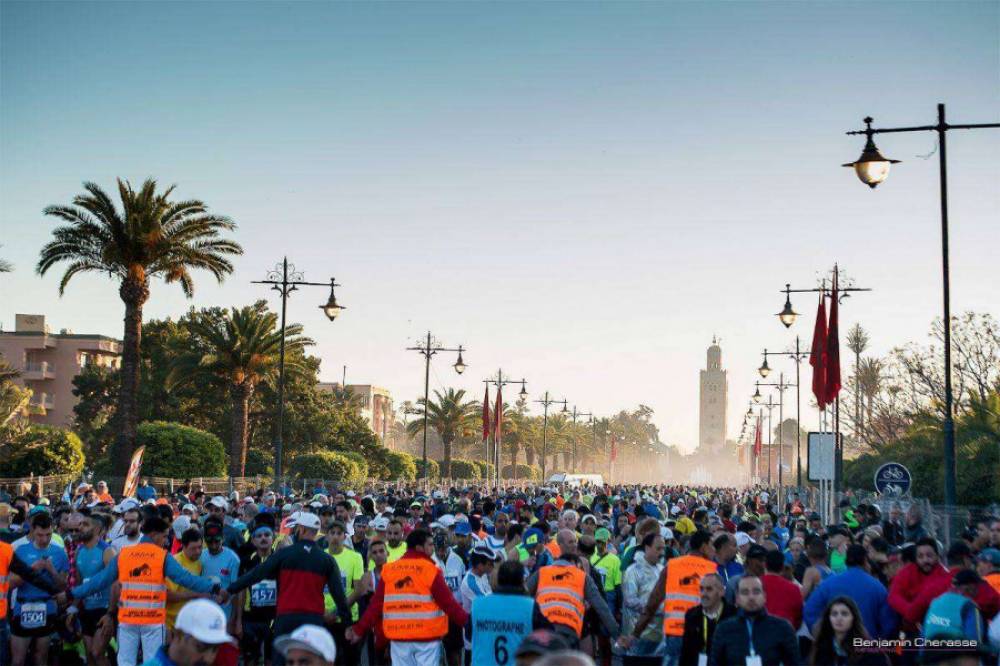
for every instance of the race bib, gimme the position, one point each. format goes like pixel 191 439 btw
pixel 264 594
pixel 34 616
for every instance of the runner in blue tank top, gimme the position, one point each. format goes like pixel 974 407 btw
pixel 92 556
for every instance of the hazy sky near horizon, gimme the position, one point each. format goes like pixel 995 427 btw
pixel 580 193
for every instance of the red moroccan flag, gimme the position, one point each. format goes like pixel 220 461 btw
pixel 498 420
pixel 833 349
pixel 817 355
pixel 614 449
pixel 758 441
pixel 486 414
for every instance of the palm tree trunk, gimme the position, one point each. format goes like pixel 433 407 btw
pixel 529 455
pixel 240 394
pixel 134 293
pixel 446 470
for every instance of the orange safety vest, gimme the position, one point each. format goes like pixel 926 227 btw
pixel 143 598
pixel 683 590
pixel 994 580
pixel 6 555
pixel 553 548
pixel 409 612
pixel 560 595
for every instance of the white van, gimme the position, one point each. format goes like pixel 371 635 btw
pixel 576 480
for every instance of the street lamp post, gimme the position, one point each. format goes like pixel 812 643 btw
pixel 798 356
pixel 575 414
pixel 872 168
pixel 285 279
pixel 427 350
pixel 769 405
pixel 545 402
pixel 787 316
pixel 500 382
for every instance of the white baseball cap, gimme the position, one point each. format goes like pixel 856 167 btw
pixel 180 525
pixel 666 533
pixel 310 638
pixel 219 501
pixel 310 521
pixel 204 621
pixel 380 524
pixel 447 520
pixel 190 507
pixel 127 503
pixel 742 539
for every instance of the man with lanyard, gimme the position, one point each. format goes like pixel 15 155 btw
pixel 93 555
pixel 352 576
pixel 677 590
pixel 260 604
pixel 34 612
pixel 142 570
pixel 413 605
pixel 502 620
pixel 221 565
pixel 301 569
pixel 562 588
pixel 751 636
pixel 701 621
pixel 453 569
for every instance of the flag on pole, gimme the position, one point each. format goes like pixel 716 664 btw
pixel 833 347
pixel 817 354
pixel 486 414
pixel 758 441
pixel 614 448
pixel 498 423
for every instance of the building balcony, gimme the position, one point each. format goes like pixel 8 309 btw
pixel 39 370
pixel 37 341
pixel 42 402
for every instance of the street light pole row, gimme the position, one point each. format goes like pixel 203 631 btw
pixel 500 382
pixel 428 349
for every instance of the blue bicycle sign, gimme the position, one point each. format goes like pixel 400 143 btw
pixel 893 479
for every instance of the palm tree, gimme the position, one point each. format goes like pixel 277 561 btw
pixel 151 236
pixel 242 350
pixel 449 416
pixel 5 266
pixel 345 398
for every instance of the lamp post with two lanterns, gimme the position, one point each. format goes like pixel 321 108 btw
pixel 573 414
pixel 545 402
pixel 427 350
pixel 285 279
pixel 872 169
pixel 798 356
pixel 500 382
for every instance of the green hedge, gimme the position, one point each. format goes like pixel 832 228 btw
pixel 327 465
pixel 464 469
pixel 42 450
pixel 486 470
pixel 260 462
pixel 401 466
pixel 359 460
pixel 432 468
pixel 524 472
pixel 180 451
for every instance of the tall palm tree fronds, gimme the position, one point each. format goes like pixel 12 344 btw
pixel 241 349
pixel 449 414
pixel 149 236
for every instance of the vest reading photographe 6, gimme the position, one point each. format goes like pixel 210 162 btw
pixel 560 595
pixel 683 590
pixel 143 598
pixel 409 612
pixel 499 624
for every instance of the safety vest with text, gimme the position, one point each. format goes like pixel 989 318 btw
pixel 560 595
pixel 6 555
pixel 143 598
pixel 683 590
pixel 409 612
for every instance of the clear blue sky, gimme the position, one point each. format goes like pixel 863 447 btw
pixel 581 193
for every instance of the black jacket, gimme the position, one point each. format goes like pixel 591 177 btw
pixel 773 641
pixel 694 629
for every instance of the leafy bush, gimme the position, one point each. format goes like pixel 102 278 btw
pixel 433 471
pixel 401 466
pixel 486 470
pixel 327 465
pixel 360 461
pixel 464 469
pixel 524 472
pixel 259 462
pixel 42 450
pixel 179 451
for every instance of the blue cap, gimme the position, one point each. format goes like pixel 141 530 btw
pixel 462 528
pixel 532 538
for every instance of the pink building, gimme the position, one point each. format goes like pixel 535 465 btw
pixel 49 361
pixel 374 405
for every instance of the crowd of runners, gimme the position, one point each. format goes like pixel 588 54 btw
pixel 417 576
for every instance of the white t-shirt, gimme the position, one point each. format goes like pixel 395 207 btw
pixel 123 541
pixel 453 571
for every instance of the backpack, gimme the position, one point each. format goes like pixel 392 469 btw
pixel 945 619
